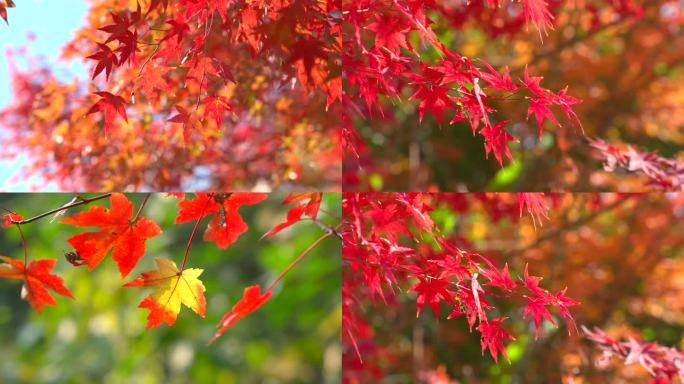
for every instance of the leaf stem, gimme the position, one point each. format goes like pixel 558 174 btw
pixel 297 260
pixel 23 240
pixel 81 201
pixel 194 231
pixel 137 215
pixel 325 227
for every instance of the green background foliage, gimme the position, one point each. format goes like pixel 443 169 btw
pixel 101 337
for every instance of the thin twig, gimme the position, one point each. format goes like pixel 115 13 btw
pixel 23 240
pixel 328 229
pixel 194 231
pixel 297 260
pixel 82 201
pixel 137 215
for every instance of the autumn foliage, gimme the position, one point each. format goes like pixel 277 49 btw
pixel 126 235
pixel 507 95
pixel 237 95
pixel 237 98
pixel 433 280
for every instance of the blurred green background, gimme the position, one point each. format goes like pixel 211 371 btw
pixel 101 337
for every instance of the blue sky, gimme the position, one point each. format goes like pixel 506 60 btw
pixel 53 22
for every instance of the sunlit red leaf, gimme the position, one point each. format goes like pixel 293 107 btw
pixel 251 300
pixel 295 213
pixel 118 232
pixel 110 105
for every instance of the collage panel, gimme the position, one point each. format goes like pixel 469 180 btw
pixel 341 191
pixel 182 288
pixel 528 95
pixel 128 95
pixel 513 288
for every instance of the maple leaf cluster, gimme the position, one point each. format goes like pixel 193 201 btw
pixel 380 255
pixel 662 362
pixel 382 62
pixel 125 233
pixel 662 172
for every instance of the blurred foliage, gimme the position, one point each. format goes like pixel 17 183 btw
pixel 100 336
pixel 623 259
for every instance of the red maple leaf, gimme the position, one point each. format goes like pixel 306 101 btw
pixel 496 141
pixel 119 30
pixel 536 206
pixel 179 27
pixel 434 99
pixel 498 81
pixel 432 291
pixel 537 308
pixel 501 279
pixel 540 108
pixel 493 336
pixel 37 279
pixel 533 84
pixel 152 81
pixel 537 12
pixel 387 220
pixel 226 224
pixel 563 302
pixel 390 32
pixel 251 300
pixel 8 218
pixel 111 105
pixel 216 106
pixel 295 213
pixel 188 120
pixel 566 102
pixel 118 231
pixel 532 283
pixel 128 47
pixel 106 60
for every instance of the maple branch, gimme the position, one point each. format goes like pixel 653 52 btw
pixel 207 27
pixel 142 67
pixel 194 231
pixel 297 260
pixel 23 240
pixel 137 215
pixel 333 215
pixel 328 229
pixel 81 201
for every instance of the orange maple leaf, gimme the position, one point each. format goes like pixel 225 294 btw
pixel 7 219
pixel 37 279
pixel 117 230
pixel 226 225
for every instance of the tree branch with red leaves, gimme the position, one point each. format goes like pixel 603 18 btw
pixel 124 233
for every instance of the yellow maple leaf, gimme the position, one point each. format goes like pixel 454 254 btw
pixel 172 287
